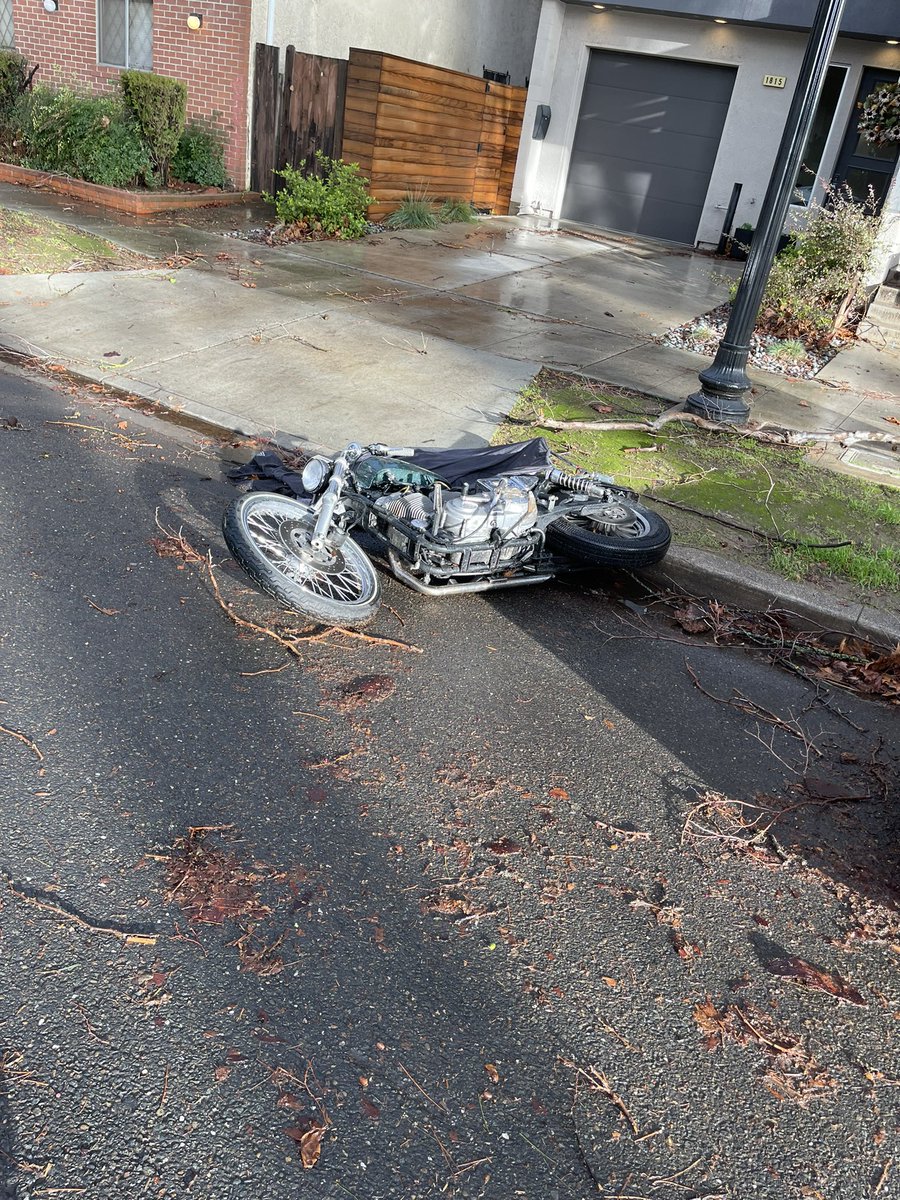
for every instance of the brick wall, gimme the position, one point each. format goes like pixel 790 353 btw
pixel 213 62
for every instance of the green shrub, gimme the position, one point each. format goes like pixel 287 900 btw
pixel 816 283
pixel 333 202
pixel 13 80
pixel 415 212
pixel 200 157
pixel 159 105
pixel 788 350
pixel 453 211
pixel 90 137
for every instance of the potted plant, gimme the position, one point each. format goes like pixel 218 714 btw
pixel 743 236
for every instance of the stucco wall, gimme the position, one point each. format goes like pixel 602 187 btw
pixel 755 118
pixel 465 35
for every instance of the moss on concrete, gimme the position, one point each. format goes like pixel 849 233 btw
pixel 33 245
pixel 780 492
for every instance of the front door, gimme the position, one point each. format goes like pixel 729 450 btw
pixel 861 165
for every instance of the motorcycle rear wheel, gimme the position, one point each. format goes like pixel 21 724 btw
pixel 270 536
pixel 633 537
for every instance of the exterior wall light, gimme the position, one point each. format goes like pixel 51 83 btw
pixel 195 21
pixel 893 42
pixel 51 5
pixel 720 21
pixel 599 7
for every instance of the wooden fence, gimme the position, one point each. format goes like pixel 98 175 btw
pixel 417 128
pixel 296 114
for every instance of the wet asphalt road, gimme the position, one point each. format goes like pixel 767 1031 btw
pixel 465 869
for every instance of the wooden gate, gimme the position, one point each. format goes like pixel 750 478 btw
pixel 295 115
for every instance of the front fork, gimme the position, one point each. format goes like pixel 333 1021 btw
pixel 332 495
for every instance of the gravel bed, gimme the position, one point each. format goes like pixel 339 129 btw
pixel 263 233
pixel 690 337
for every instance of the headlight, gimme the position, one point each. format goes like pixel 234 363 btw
pixel 315 474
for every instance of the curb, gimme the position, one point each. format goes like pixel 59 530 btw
pixel 696 572
pixel 702 573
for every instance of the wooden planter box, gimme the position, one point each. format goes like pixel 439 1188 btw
pixel 137 204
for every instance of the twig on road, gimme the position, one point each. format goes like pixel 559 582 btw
pixel 437 1104
pixel 25 741
pixel 598 1082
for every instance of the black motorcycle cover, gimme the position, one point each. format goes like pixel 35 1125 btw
pixel 268 472
pixel 459 466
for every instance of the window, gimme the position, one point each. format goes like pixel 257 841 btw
pixel 6 23
pixel 125 30
pixel 818 135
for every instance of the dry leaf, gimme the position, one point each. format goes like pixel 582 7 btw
pixel 504 845
pixel 803 972
pixel 221 1074
pixel 493 1073
pixel 369 1109
pixel 558 793
pixel 309 1142
pixel 610 982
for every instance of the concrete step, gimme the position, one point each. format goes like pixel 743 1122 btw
pixel 888 317
pixel 879 335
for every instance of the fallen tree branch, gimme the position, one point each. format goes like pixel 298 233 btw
pixel 290 644
pixel 768 537
pixel 69 914
pixel 771 434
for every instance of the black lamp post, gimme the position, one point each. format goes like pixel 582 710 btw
pixel 722 396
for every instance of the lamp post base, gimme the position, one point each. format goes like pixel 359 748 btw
pixel 713 406
pixel 724 386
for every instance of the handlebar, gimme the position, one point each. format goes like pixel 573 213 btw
pixel 383 451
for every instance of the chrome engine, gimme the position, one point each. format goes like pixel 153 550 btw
pixel 507 507
pixel 505 510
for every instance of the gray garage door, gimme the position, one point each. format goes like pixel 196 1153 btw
pixel 647 138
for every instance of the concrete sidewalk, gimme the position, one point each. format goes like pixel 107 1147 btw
pixel 423 336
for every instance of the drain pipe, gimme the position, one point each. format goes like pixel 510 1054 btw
pixel 270 22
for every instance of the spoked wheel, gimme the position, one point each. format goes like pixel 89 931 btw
pixel 271 537
pixel 619 533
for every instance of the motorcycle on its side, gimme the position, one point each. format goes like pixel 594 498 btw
pixel 447 521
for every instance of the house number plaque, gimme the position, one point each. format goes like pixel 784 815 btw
pixel 774 80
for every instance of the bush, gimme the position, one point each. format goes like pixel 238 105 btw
pixel 332 203
pixel 90 137
pixel 200 157
pixel 14 78
pixel 816 284
pixel 159 105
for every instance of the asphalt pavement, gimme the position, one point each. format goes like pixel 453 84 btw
pixel 400 922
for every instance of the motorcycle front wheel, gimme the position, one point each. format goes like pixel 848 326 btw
pixel 617 534
pixel 270 536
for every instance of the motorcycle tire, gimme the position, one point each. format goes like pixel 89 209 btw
pixel 634 543
pixel 269 535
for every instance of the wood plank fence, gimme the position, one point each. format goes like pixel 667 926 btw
pixel 413 127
